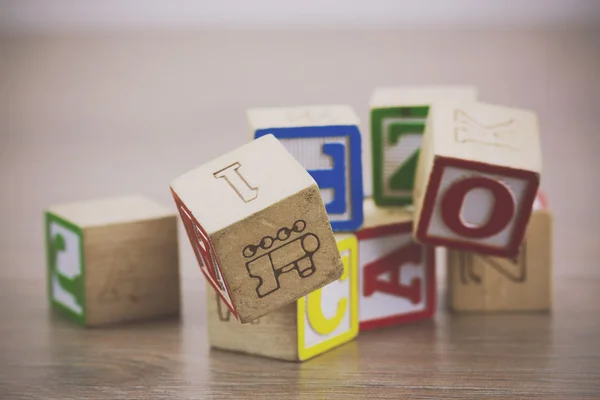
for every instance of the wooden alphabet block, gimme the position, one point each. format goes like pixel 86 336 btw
pixel 397 275
pixel 258 226
pixel 398 116
pixel 477 177
pixel 112 260
pixel 327 142
pixel 316 323
pixel 479 283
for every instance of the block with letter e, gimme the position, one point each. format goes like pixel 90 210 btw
pixel 481 283
pixel 397 275
pixel 258 227
pixel 112 260
pixel 477 177
pixel 326 140
pixel 398 116
pixel 314 324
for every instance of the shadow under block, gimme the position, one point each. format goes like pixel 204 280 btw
pixel 258 226
pixel 327 142
pixel 398 116
pixel 477 177
pixel 314 324
pixel 112 260
pixel 397 275
pixel 479 283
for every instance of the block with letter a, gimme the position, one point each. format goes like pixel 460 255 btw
pixel 326 140
pixel 398 116
pixel 477 177
pixel 397 275
pixel 316 323
pixel 481 283
pixel 258 227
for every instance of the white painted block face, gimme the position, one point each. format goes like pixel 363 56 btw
pixel 68 264
pixel 309 152
pixel 332 296
pixel 329 316
pixel 395 155
pixel 404 277
pixel 477 206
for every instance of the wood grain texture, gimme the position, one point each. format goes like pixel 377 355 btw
pixel 84 115
pixel 487 284
pixel 126 258
pixel 258 226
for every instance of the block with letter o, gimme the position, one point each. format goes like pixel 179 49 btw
pixel 477 178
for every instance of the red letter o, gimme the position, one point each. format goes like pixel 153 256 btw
pixel 501 214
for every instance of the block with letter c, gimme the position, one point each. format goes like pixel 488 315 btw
pixel 318 322
pixel 477 178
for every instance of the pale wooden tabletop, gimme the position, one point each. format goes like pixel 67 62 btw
pixel 83 116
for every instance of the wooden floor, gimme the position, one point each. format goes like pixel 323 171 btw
pixel 102 115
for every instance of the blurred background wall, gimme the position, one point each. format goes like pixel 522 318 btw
pixel 103 98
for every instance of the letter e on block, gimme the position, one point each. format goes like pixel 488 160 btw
pixel 477 177
pixel 326 140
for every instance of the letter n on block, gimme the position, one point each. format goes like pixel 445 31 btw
pixel 477 178
pixel 328 317
pixel 397 275
pixel 204 251
pixel 327 142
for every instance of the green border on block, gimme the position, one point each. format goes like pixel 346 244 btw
pixel 77 284
pixel 404 179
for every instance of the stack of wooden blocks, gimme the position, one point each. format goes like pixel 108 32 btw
pixel 297 259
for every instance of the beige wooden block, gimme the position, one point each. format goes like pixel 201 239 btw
pixel 113 260
pixel 314 324
pixel 479 283
pixel 259 228
pixel 477 177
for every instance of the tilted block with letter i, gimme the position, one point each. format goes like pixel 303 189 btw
pixel 477 177
pixel 479 283
pixel 112 260
pixel 316 323
pixel 398 116
pixel 258 226
pixel 327 142
pixel 397 275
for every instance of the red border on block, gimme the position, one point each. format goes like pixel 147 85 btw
pixel 190 235
pixel 522 218
pixel 430 285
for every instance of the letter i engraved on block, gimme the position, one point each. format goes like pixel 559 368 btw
pixel 294 255
pixel 392 264
pixel 468 129
pixel 238 183
pixel 513 270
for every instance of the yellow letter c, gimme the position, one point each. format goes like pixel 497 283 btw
pixel 317 320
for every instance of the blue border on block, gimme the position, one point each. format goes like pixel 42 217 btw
pixel 355 154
